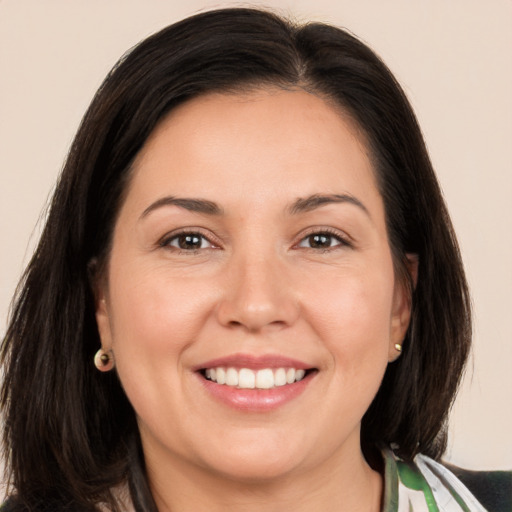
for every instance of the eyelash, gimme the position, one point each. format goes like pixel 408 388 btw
pixel 167 241
pixel 343 240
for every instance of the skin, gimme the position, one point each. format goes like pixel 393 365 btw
pixel 255 284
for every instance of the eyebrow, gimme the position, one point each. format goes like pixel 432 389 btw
pixel 314 201
pixel 301 205
pixel 193 205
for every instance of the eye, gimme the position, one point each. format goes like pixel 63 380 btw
pixel 187 241
pixel 322 240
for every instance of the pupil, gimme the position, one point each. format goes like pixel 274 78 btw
pixel 320 241
pixel 189 242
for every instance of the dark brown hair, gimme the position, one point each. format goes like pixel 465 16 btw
pixel 70 434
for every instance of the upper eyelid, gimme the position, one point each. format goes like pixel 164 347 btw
pixel 165 239
pixel 337 233
pixel 214 240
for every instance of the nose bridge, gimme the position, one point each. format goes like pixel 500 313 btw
pixel 258 292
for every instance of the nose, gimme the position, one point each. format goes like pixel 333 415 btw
pixel 258 294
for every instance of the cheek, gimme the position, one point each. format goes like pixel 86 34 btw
pixel 351 317
pixel 351 314
pixel 155 320
pixel 155 314
pixel 351 304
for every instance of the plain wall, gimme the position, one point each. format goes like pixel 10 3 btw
pixel 452 57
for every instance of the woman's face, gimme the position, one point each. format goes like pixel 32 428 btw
pixel 250 302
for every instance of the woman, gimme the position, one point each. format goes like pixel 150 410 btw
pixel 249 242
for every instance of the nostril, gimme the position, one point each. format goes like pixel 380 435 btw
pixel 254 326
pixel 255 304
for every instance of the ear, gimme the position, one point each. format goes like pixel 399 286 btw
pixel 103 319
pixel 402 306
pixel 98 284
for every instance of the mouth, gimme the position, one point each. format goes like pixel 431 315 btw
pixel 247 378
pixel 258 384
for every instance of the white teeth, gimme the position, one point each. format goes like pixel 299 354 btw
pixel 245 378
pixel 221 375
pixel 232 377
pixel 299 374
pixel 280 377
pixel 265 379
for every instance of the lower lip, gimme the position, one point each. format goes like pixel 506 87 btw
pixel 256 400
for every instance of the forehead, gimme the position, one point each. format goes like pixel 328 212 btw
pixel 247 143
pixel 254 110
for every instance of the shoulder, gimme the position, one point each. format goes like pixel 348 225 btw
pixel 492 488
pixel 417 484
pixel 12 504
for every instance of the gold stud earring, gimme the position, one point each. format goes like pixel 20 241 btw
pixel 104 360
pixel 398 347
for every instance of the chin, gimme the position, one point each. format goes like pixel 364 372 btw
pixel 257 462
pixel 255 472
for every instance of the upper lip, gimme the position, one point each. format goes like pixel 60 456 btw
pixel 253 362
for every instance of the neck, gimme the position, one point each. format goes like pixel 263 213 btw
pixel 347 485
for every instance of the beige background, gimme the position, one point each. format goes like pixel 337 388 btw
pixel 454 61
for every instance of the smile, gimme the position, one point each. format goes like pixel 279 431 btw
pixel 257 384
pixel 245 378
